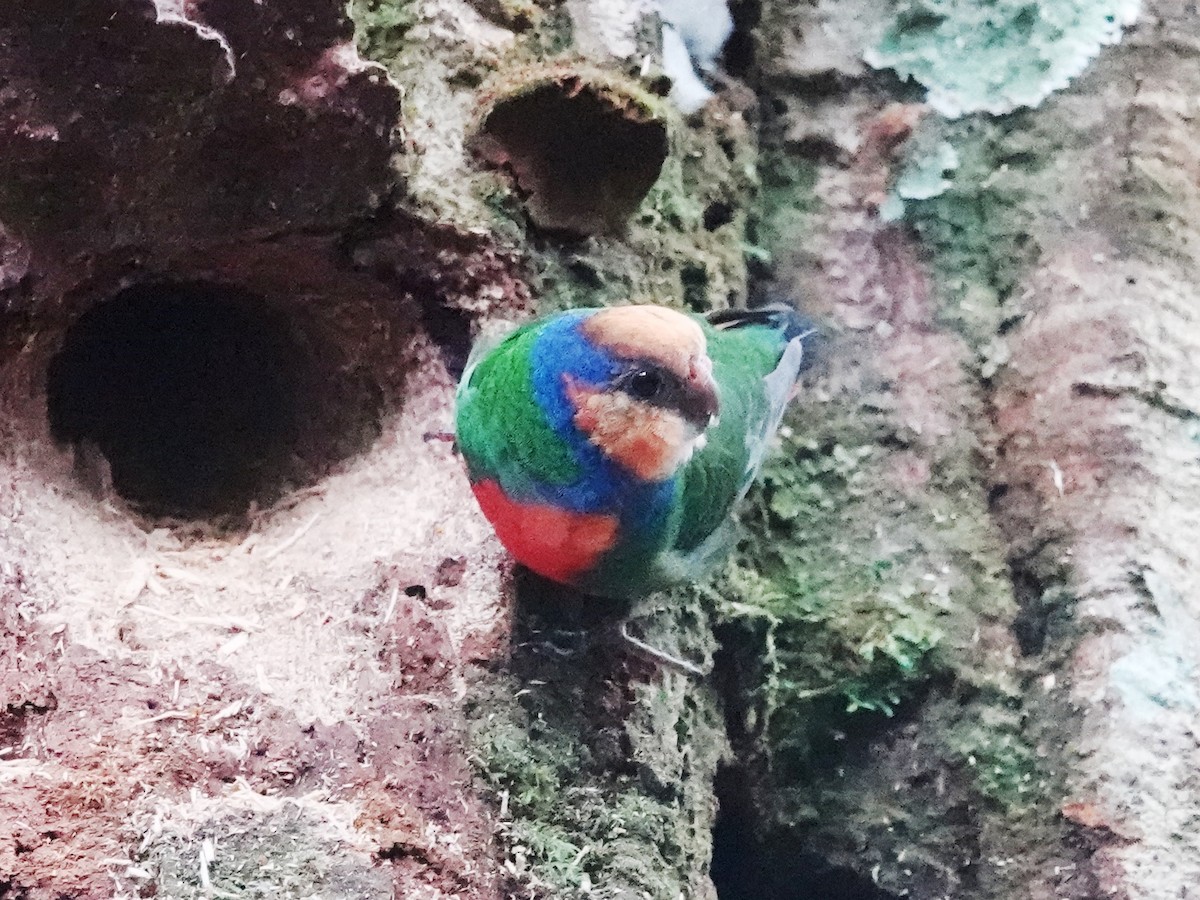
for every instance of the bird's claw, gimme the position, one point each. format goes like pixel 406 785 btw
pixel 663 657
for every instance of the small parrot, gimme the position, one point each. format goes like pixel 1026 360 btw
pixel 607 447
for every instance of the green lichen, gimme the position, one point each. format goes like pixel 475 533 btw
pixel 922 179
pixel 997 55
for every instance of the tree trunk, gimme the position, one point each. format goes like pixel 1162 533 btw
pixel 256 639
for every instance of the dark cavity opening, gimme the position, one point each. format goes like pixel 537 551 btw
pixel 582 157
pixel 744 867
pixel 695 287
pixel 450 330
pixel 738 57
pixel 200 400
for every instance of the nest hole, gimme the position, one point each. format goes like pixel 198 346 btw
pixel 583 158
pixel 200 400
pixel 745 867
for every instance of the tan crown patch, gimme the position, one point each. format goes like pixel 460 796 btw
pixel 653 333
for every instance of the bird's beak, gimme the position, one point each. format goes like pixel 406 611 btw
pixel 703 402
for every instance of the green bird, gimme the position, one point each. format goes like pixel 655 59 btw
pixel 607 447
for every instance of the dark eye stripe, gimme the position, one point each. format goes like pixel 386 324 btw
pixel 652 385
pixel 644 384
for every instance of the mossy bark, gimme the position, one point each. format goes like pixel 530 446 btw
pixel 1014 313
pixel 953 652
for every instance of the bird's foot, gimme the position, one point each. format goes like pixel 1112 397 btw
pixel 662 657
pixel 560 642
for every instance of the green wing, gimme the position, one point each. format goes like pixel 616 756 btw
pixel 504 435
pixel 756 368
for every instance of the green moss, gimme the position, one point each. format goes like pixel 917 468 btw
pixel 785 204
pixel 381 26
pixel 588 143
pixel 997 55
pixel 572 819
pixel 683 246
pixel 622 92
pixel 529 779
pixel 978 226
pixel 257 855
pixel 506 214
pixel 861 599
pixel 1001 759
pixel 552 32
pixel 837 617
pixel 601 778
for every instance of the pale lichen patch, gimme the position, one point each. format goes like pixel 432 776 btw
pixel 997 57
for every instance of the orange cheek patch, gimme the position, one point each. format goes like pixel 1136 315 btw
pixel 642 439
pixel 646 455
pixel 556 543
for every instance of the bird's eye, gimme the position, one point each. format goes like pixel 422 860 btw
pixel 644 384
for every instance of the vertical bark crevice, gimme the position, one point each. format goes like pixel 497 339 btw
pixel 747 867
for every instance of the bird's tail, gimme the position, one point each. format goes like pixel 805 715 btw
pixel 781 317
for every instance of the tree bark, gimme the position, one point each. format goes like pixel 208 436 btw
pixel 257 640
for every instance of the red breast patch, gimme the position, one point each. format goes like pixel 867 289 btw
pixel 556 543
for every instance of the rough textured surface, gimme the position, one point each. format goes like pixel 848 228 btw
pixel 254 629
pixel 583 151
pixel 133 127
pixel 954 654
pixel 265 698
pixel 1020 333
